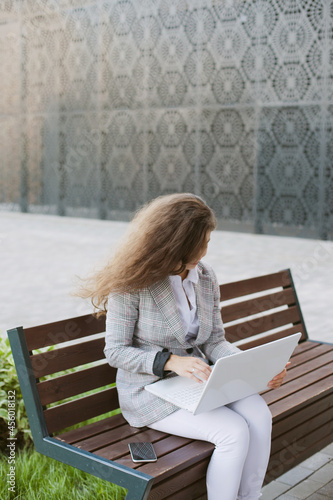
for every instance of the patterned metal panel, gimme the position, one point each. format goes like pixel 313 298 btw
pixel 107 104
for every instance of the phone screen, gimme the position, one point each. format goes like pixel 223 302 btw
pixel 142 452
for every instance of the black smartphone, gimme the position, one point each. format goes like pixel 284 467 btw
pixel 142 452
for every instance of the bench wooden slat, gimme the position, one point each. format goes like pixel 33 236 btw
pixel 76 383
pixel 277 467
pixel 177 461
pixel 188 485
pixel 306 355
pixel 291 397
pixel 108 437
pixel 297 372
pixel 170 444
pixel 282 467
pixel 63 331
pixel 74 412
pixel 299 398
pixel 305 346
pixel 75 435
pixel 301 415
pixel 117 450
pixel 295 419
pixel 308 361
pixel 61 359
pixel 262 324
pixel 300 449
pixel 253 285
pixel 191 492
pixel 93 442
pixel 324 418
pixel 248 344
pixel 257 305
pixel 314 374
pixel 172 457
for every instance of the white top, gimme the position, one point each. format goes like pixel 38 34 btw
pixel 184 290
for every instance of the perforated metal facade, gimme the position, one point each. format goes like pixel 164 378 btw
pixel 107 104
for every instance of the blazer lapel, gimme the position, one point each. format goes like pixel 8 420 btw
pixel 165 300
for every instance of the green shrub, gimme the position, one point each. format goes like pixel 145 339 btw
pixel 9 382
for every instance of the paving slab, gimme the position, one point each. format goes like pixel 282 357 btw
pixel 274 490
pixel 316 461
pixel 328 450
pixel 316 485
pixel 317 496
pixel 324 475
pixel 327 490
pixel 304 489
pixel 294 476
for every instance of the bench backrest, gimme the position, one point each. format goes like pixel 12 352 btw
pixel 84 336
pixel 266 305
pixel 258 310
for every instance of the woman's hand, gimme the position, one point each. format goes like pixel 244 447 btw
pixel 276 382
pixel 186 366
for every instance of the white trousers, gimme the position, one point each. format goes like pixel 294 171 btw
pixel 241 432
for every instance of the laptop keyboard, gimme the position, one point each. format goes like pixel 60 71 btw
pixel 187 397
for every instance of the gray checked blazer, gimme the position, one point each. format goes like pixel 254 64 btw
pixel 140 324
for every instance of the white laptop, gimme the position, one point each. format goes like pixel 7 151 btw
pixel 233 377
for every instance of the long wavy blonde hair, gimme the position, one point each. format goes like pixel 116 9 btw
pixel 165 235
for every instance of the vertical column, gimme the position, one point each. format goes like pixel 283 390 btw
pixel 324 163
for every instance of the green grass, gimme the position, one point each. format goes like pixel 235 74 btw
pixel 42 478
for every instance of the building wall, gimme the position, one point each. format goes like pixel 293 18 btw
pixel 107 104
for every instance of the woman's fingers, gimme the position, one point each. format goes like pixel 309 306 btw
pixel 200 371
pixel 277 381
pixel 190 367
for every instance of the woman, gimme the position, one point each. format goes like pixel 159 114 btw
pixel 162 315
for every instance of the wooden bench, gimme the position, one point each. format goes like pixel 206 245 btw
pixel 302 407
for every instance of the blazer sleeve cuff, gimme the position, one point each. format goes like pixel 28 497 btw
pixel 159 362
